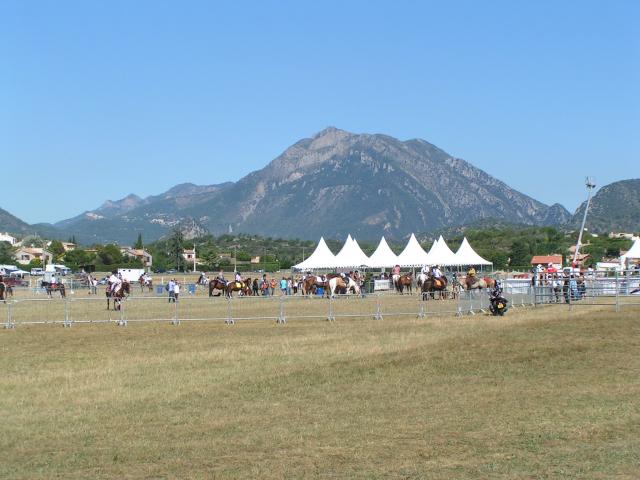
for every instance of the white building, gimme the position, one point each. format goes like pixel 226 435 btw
pixel 5 237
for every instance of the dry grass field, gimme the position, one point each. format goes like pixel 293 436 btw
pixel 541 393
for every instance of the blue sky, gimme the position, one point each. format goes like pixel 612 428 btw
pixel 102 99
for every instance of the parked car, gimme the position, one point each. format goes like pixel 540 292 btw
pixel 37 271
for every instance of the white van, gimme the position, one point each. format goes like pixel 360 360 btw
pixel 37 271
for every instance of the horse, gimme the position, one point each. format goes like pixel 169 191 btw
pixel 431 285
pixel 477 283
pixel 117 296
pixel 5 291
pixel 54 287
pixel 312 282
pixel 234 286
pixel 145 282
pixel 403 281
pixel 420 280
pixel 217 284
pixel 343 285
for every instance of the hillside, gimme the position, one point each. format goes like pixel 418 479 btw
pixel 333 183
pixel 616 207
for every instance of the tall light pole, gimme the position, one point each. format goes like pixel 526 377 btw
pixel 590 184
pixel 194 257
pixel 235 262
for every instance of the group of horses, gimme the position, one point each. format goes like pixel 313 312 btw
pixel 430 286
pixel 227 288
pixel 331 284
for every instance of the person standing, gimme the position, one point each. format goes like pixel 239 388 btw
pixel 283 286
pixel 170 288
pixel 176 291
pixel 272 289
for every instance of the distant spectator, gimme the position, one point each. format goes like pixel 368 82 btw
pixel 176 291
pixel 289 286
pixel 265 287
pixel 169 287
pixel 283 286
pixel 272 289
pixel 255 287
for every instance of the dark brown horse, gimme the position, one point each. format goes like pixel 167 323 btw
pixel 243 287
pixel 432 285
pixel 5 291
pixel 402 282
pixel 118 296
pixel 54 287
pixel 217 284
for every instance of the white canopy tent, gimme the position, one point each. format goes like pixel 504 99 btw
pixel 320 258
pixel 413 255
pixel 350 256
pixel 383 257
pixel 468 256
pixel 632 254
pixel 441 254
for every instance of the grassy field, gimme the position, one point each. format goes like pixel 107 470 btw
pixel 541 393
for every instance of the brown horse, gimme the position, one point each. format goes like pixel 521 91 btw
pixel 477 283
pixel 217 284
pixel 432 285
pixel 404 281
pixel 243 287
pixel 5 291
pixel 54 287
pixel 148 283
pixel 118 296
pixel 312 283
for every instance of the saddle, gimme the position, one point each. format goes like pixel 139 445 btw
pixel 438 283
pixel 239 285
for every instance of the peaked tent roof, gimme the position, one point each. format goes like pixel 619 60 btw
pixel 441 254
pixel 383 257
pixel 413 255
pixel 320 258
pixel 468 256
pixel 634 251
pixel 351 255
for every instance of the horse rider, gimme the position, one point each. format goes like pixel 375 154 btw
pixel 115 282
pixel 238 277
pixel 436 272
pixel 220 277
pixel 395 270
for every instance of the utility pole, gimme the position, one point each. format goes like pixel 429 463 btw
pixel 589 183
pixel 194 257
pixel 235 262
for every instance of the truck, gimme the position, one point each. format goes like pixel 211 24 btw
pixel 131 275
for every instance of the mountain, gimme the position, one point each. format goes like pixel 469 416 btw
pixel 331 184
pixel 12 224
pixel 616 207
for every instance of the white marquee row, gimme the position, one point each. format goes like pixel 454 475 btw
pixel 413 255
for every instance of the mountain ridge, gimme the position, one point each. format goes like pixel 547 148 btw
pixel 329 184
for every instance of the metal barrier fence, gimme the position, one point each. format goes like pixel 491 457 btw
pixel 616 291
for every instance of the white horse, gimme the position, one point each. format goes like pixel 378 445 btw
pixel 421 278
pixel 338 282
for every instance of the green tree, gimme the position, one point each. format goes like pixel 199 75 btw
pixel 138 245
pixel 57 250
pixel 175 248
pixel 109 255
pixel 78 257
pixel 6 253
pixel 519 253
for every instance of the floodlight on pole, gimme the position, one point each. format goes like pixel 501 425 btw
pixel 590 184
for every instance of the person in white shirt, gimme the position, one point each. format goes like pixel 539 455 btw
pixel 115 282
pixel 436 272
pixel 176 291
